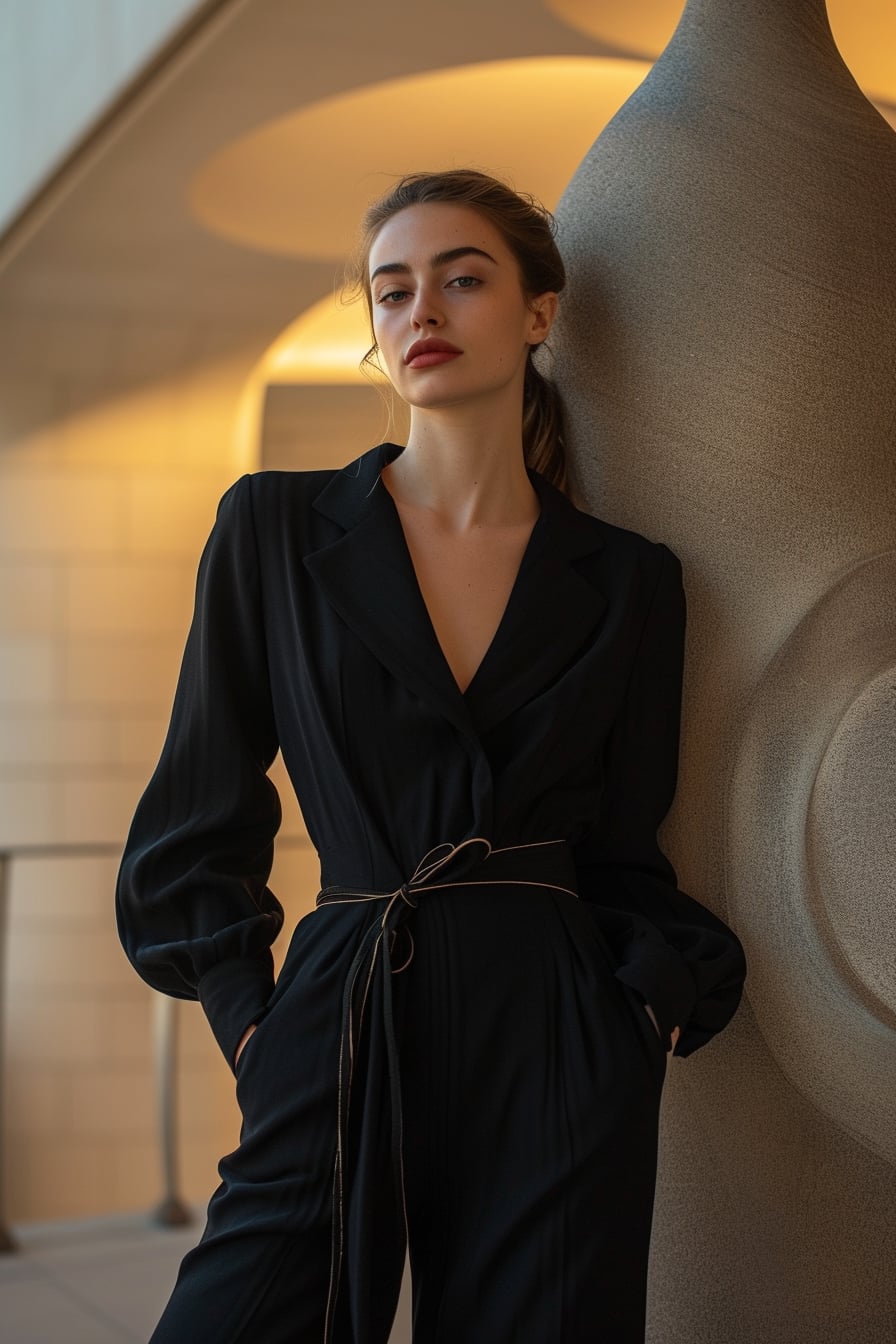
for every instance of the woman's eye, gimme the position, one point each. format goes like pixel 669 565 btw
pixel 392 296
pixel 465 281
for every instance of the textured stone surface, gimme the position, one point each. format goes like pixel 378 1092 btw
pixel 810 835
pixel 726 352
pixel 852 830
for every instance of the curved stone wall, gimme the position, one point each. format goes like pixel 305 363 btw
pixel 727 352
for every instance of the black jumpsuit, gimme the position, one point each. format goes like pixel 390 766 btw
pixel 456 1050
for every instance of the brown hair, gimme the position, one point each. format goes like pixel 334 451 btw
pixel 528 230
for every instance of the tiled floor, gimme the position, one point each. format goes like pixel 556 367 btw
pixel 102 1281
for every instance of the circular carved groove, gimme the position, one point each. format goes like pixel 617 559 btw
pixel 852 841
pixel 811 841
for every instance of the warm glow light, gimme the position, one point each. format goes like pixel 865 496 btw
pixel 864 30
pixel 642 29
pixel 324 345
pixel 299 185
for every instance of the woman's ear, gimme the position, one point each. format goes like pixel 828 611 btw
pixel 542 311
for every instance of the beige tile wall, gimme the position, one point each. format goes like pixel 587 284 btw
pixel 117 437
pixel 80 1111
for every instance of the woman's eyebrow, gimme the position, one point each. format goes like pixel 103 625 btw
pixel 438 259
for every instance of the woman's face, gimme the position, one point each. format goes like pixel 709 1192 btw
pixel 441 275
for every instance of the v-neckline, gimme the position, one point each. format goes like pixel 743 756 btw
pixel 514 587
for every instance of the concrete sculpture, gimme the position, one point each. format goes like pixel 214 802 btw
pixel 728 356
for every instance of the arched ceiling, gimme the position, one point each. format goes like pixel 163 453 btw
pixel 641 29
pixel 865 32
pixel 224 194
pixel 298 185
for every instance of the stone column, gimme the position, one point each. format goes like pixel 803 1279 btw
pixel 727 351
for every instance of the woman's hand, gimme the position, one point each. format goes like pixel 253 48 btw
pixel 242 1045
pixel 676 1032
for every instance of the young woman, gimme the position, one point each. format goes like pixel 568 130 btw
pixel 476 690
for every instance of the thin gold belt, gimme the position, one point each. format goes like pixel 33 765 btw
pixel 370 977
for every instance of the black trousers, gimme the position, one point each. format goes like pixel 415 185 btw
pixel 530 1083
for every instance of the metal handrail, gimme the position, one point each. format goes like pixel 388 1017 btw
pixel 171 1210
pixel 7 1242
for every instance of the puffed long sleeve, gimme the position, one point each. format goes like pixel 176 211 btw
pixel 194 912
pixel 682 960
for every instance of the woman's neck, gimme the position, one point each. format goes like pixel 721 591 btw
pixel 468 475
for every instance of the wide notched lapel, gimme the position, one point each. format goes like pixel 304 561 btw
pixel 552 615
pixel 368 577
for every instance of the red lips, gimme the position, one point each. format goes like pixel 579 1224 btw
pixel 431 346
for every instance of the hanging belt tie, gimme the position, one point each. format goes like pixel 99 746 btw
pixel 375 954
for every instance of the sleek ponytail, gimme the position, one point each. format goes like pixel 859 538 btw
pixel 544 443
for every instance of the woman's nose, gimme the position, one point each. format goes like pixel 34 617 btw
pixel 425 310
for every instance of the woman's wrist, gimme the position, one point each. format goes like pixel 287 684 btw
pixel 676 1031
pixel 243 1039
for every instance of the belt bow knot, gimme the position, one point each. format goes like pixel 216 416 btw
pixel 370 977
